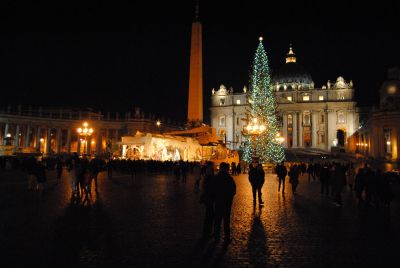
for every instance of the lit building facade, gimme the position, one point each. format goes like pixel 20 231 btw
pixel 378 137
pixel 51 131
pixel 309 117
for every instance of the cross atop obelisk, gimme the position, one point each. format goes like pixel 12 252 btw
pixel 195 100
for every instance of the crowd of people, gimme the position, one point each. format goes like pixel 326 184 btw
pixel 218 188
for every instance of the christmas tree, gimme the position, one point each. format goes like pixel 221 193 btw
pixel 263 111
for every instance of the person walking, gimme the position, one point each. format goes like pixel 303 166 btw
pixel 59 168
pixel 294 177
pixel 281 171
pixel 224 189
pixel 256 178
pixel 207 198
pixel 351 176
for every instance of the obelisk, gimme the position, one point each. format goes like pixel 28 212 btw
pixel 195 100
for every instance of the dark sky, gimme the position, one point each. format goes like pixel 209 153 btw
pixel 112 55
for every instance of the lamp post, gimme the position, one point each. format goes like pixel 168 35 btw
pixel 254 129
pixel 85 132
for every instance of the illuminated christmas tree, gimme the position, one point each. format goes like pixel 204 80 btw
pixel 263 110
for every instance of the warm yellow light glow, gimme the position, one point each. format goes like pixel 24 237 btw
pixel 255 127
pixel 90 130
pixel 321 98
pixel 260 38
pixel 306 98
pixel 93 142
pixel 388 142
pixel 255 120
pixel 41 140
pixel 289 98
pixel 8 135
pixel 249 128
pixel 85 130
pixel 158 123
pixel 262 128
pixel 85 124
pixel 79 130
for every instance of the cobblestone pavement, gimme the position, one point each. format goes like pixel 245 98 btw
pixel 152 221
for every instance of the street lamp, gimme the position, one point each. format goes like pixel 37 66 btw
pixel 158 123
pixel 85 132
pixel 254 129
pixel 279 139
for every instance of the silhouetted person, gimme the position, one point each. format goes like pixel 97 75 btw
pixel 256 178
pixel 324 179
pixel 59 168
pixel 281 171
pixel 310 171
pixel 94 170
pixel 359 185
pixel 339 181
pixel 351 176
pixel 207 198
pixel 224 189
pixel 294 177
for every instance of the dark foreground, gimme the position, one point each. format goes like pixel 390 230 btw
pixel 153 221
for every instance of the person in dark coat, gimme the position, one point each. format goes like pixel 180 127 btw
pixel 294 177
pixel 281 171
pixel 224 189
pixel 207 198
pixel 256 178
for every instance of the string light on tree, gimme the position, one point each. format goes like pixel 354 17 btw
pixel 263 107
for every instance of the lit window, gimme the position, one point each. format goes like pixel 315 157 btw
pixel 289 98
pixel 306 98
pixel 341 118
pixel 387 145
pixel 237 102
pixel 289 119
pixel 222 121
pixel 320 97
pixel 307 119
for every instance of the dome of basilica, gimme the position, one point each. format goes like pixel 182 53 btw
pixel 292 75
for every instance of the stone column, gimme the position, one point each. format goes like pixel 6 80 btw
pixel 78 145
pixel 38 139
pixel 331 127
pixel 314 136
pixel 6 127
pixel 300 128
pixel 59 139
pixel 116 135
pixel 16 138
pixel 69 140
pixel 284 130
pixel 48 141
pixel 294 118
pixel 27 137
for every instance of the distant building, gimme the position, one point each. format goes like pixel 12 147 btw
pixel 54 130
pixel 378 137
pixel 309 117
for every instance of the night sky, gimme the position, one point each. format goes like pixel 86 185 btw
pixel 112 56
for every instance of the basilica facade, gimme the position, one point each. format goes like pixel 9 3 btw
pixel 310 117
